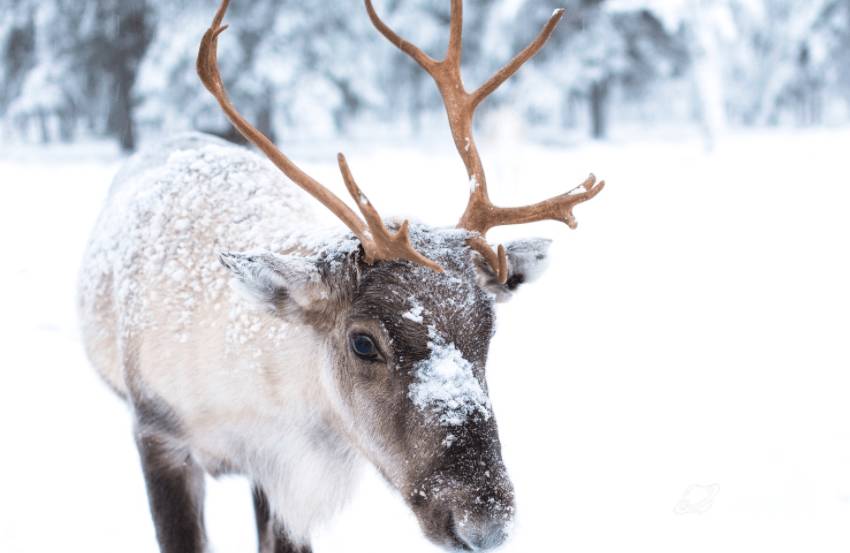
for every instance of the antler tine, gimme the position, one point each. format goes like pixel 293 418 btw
pixel 385 245
pixel 455 49
pixel 558 208
pixel 423 59
pixel 519 60
pixel 378 243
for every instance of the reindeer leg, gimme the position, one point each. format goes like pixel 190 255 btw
pixel 175 484
pixel 270 537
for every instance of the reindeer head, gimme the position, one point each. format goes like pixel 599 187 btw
pixel 407 316
pixel 405 371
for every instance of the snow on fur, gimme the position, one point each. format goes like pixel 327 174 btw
pixel 446 386
pixel 163 200
pixel 415 312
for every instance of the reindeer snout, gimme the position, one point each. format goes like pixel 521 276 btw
pixel 480 533
pixel 471 516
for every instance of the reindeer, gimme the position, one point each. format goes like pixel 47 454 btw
pixel 299 354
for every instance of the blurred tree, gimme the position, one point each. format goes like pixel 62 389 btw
pixel 112 47
pixel 17 49
pixel 792 59
pixel 601 47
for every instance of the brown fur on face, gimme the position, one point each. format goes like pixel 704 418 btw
pixel 452 476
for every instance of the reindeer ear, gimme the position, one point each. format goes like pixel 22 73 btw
pixel 278 282
pixel 527 259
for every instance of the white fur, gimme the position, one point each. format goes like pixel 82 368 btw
pixel 249 388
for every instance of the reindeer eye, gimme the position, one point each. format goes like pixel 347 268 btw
pixel 364 347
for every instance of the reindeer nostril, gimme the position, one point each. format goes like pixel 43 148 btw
pixel 479 534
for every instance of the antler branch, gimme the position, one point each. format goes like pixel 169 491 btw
pixel 558 208
pixel 377 241
pixel 480 214
pixel 519 60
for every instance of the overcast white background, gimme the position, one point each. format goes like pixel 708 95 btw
pixel 677 381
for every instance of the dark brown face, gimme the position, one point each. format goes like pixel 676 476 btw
pixel 411 357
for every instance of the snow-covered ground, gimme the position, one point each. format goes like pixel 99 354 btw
pixel 678 381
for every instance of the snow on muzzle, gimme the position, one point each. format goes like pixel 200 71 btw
pixel 464 500
pixel 467 507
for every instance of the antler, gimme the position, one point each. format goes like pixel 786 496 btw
pixel 377 241
pixel 480 214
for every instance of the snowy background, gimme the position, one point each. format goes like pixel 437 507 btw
pixel 313 69
pixel 678 381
